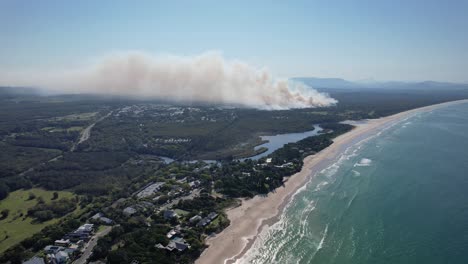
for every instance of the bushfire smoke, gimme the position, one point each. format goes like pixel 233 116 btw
pixel 204 78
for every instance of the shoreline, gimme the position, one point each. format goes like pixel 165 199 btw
pixel 259 212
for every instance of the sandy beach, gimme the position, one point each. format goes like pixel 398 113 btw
pixel 261 212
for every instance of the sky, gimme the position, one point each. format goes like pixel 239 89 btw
pixel 382 40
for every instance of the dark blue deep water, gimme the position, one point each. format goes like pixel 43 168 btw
pixel 399 197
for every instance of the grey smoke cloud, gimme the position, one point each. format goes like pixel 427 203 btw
pixel 204 78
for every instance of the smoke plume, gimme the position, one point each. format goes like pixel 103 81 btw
pixel 204 78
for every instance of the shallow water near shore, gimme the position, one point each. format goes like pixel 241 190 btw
pixel 399 197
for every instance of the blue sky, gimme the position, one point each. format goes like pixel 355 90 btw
pixel 383 40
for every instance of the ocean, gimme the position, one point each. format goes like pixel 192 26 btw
pixel 398 197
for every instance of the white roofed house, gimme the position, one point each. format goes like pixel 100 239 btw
pixel 129 211
pixel 86 228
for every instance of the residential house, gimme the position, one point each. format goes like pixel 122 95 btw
pixel 61 257
pixel 62 242
pixel 52 249
pixel 129 211
pixel 205 221
pixel 195 219
pixel 176 243
pixel 35 260
pixel 169 214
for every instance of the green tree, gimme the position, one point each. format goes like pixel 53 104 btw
pixel 4 190
pixel 31 196
pixel 4 213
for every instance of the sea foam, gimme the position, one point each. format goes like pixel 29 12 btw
pixel 364 162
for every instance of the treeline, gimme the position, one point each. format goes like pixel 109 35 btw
pixel 95 173
pixel 42 211
pixel 44 139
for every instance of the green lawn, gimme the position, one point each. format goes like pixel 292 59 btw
pixel 15 228
pixel 215 222
pixel 101 228
pixel 181 212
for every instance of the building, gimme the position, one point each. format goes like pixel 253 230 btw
pixel 106 220
pixel 176 243
pixel 62 242
pixel 129 211
pixel 212 216
pixel 172 233
pixel 194 184
pixel 86 227
pixel 150 189
pixel 168 214
pixel 205 221
pixel 195 219
pixel 97 216
pixel 83 232
pixel 100 217
pixel 35 260
pixel 52 249
pixel 62 257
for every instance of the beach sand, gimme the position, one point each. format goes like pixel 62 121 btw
pixel 248 219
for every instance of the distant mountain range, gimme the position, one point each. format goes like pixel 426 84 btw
pixel 337 83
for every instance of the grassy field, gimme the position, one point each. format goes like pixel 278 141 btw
pixel 81 116
pixel 57 129
pixel 15 227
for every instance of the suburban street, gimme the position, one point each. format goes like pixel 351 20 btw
pixel 193 194
pixel 90 245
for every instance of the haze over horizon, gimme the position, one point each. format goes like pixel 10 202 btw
pixel 402 40
pixel 242 53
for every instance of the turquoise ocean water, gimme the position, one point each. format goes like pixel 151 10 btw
pixel 399 197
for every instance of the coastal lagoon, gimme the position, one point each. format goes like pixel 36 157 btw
pixel 278 141
pixel 398 197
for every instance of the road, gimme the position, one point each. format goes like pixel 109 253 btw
pixel 90 246
pixel 87 132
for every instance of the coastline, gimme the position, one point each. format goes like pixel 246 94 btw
pixel 250 218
